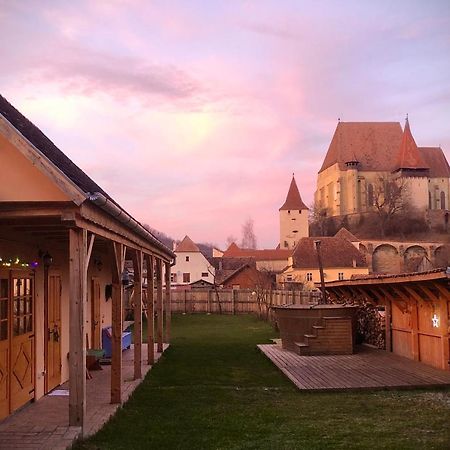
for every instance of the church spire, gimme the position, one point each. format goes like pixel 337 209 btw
pixel 408 157
pixel 293 198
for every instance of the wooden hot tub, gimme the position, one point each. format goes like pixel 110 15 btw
pixel 317 329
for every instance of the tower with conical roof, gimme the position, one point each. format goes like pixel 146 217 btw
pixel 410 167
pixel 293 218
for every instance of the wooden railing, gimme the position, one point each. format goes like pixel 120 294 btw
pixel 237 301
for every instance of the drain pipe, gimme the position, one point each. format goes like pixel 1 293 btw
pixel 98 199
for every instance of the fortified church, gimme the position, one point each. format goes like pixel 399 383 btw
pixel 362 153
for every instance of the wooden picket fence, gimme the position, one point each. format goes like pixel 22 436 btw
pixel 237 301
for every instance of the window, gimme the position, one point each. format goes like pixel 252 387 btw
pixel 205 274
pixel 370 199
pixel 289 211
pixel 295 231
pixel 173 277
pixel 289 278
pixel 309 276
pixel 286 244
pixel 442 200
pixel 186 276
pixel 341 275
pixel 187 258
pixel 430 203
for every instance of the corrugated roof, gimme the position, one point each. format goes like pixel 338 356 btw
pixel 335 252
pixel 293 199
pixel 187 245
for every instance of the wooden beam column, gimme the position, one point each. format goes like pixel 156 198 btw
pixel 388 325
pixel 137 330
pixel 150 309
pixel 159 306
pixel 168 306
pixel 77 320
pixel 117 323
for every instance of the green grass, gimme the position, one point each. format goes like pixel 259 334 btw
pixel 214 390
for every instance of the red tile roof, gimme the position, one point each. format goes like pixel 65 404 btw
pixel 293 199
pixel 343 233
pixel 372 144
pixel 408 155
pixel 187 245
pixel 335 252
pixel 233 251
pixel 382 146
pixel 435 159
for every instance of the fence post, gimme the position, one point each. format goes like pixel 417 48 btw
pixel 233 302
pixel 208 304
pixel 185 301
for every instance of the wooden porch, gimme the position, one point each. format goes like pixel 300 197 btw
pixel 45 423
pixel 368 369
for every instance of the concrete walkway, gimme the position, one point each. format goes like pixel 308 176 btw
pixel 45 423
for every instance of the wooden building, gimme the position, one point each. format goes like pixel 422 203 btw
pixel 417 311
pixel 63 245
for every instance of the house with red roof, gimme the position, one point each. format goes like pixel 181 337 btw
pixel 191 265
pixel 362 153
pixel 340 258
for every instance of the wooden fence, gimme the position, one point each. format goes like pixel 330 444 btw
pixel 236 301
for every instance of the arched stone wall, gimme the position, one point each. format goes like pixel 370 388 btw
pixel 386 259
pixel 442 256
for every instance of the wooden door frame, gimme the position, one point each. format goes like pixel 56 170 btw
pixel 16 272
pixel 47 272
pixel 92 289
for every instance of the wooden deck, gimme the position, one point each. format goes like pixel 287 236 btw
pixel 367 369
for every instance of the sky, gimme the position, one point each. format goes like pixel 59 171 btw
pixel 193 115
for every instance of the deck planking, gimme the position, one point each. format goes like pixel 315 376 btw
pixel 367 369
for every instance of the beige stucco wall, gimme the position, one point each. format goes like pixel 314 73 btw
pixel 293 227
pixel 330 274
pixel 344 192
pixel 25 182
pixel 272 266
pixel 16 247
pixel 196 265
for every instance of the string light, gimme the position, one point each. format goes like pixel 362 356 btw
pixel 17 262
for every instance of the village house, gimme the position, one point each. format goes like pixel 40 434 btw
pixel 63 246
pixel 362 155
pixel 191 265
pixel 341 260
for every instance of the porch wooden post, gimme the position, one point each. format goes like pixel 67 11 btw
pixel 159 306
pixel 117 323
pixel 137 330
pixel 168 306
pixel 77 345
pixel 150 309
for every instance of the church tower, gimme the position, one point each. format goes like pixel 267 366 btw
pixel 293 218
pixel 411 167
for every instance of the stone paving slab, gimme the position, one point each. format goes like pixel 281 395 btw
pixel 44 424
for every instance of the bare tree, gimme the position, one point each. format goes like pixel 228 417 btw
pixel 318 218
pixel 231 239
pixel 390 197
pixel 248 235
pixel 213 272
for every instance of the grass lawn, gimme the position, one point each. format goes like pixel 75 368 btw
pixel 214 390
